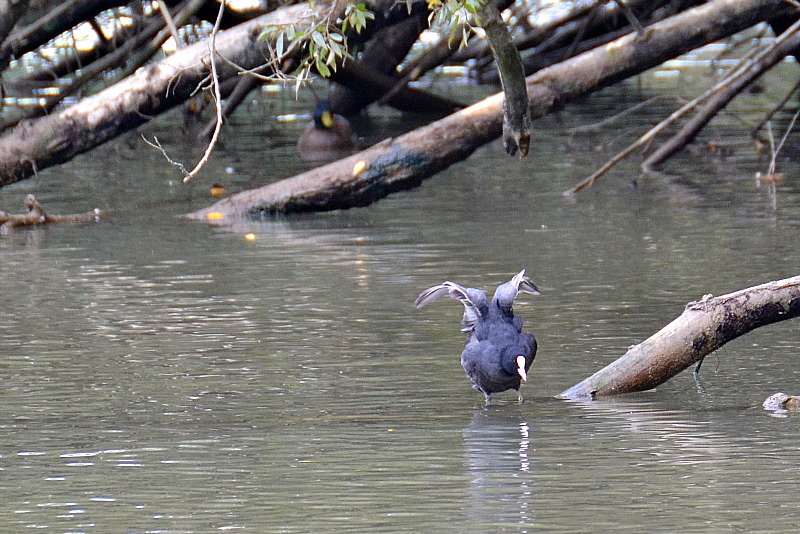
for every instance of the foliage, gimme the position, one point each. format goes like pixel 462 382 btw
pixel 454 14
pixel 323 44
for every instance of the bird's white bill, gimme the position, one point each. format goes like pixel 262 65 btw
pixel 521 368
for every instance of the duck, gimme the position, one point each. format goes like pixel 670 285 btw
pixel 497 354
pixel 327 136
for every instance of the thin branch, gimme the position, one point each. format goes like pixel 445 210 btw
pixel 162 6
pixel 217 98
pixel 779 106
pixel 598 126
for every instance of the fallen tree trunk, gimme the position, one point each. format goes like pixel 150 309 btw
pixel 402 163
pixel 703 327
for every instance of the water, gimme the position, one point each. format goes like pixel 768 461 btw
pixel 166 376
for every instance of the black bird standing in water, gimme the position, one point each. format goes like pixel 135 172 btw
pixel 498 353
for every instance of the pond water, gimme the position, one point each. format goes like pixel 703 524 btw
pixel 166 376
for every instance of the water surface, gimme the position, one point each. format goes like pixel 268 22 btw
pixel 166 376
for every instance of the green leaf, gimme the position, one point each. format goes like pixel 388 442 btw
pixel 291 32
pixel 336 48
pixel 318 38
pixel 323 69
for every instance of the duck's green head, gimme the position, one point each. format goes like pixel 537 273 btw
pixel 323 116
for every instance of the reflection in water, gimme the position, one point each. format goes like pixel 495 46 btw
pixel 501 481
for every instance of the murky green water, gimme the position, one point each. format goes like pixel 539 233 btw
pixel 165 376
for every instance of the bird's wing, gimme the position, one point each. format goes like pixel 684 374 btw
pixel 524 284
pixel 472 312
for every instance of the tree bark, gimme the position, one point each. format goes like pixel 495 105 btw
pixel 10 12
pixel 403 163
pixel 702 328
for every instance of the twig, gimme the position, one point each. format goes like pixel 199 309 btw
pixel 217 98
pixel 156 144
pixel 162 6
pixel 779 106
pixel 774 151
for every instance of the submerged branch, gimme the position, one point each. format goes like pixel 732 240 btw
pixel 37 215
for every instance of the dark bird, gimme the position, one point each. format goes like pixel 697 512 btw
pixel 327 136
pixel 497 354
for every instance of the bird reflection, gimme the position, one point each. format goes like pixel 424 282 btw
pixel 497 446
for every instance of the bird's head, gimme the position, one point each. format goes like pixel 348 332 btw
pixel 323 115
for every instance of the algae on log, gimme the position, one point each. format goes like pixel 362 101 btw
pixel 704 326
pixel 402 163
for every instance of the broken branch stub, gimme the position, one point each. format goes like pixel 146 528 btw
pixel 516 106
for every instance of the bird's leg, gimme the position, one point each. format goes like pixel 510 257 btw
pixel 697 367
pixel 488 399
pixel 520 399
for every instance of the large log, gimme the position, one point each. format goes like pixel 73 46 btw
pixel 402 163
pixel 703 327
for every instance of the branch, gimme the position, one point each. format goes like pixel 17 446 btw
pixel 37 215
pixel 783 46
pixel 60 136
pixel 741 76
pixel 704 326
pixel 516 110
pixel 217 97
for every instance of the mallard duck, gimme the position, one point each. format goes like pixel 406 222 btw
pixel 328 135
pixel 498 354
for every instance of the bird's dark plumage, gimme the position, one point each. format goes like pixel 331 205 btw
pixel 498 353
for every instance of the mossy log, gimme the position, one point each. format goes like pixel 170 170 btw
pixel 703 327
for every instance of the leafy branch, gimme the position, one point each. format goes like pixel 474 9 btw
pixel 322 45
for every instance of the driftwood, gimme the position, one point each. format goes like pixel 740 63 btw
pixel 403 163
pixel 37 215
pixel 704 326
